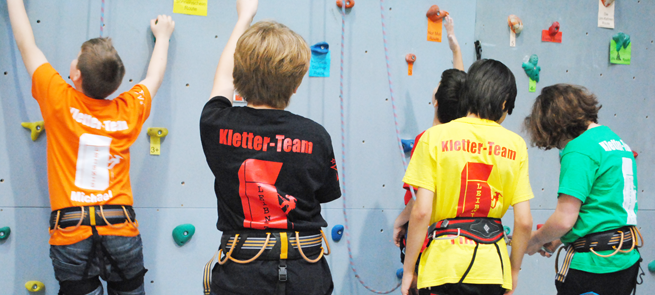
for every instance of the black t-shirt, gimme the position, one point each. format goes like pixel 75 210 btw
pixel 272 168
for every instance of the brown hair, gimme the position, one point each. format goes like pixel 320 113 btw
pixel 101 68
pixel 560 112
pixel 269 63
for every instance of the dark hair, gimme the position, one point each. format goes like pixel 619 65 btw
pixel 101 68
pixel 447 95
pixel 560 112
pixel 488 85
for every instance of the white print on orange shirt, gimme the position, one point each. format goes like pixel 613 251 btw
pixel 90 121
pixel 92 198
pixel 140 95
pixel 93 162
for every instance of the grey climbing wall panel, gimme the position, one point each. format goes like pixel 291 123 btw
pixel 625 91
pixel 176 187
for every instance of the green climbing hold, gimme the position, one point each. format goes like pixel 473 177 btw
pixel 651 266
pixel 531 68
pixel 508 231
pixel 183 233
pixel 4 233
pixel 622 40
pixel 34 286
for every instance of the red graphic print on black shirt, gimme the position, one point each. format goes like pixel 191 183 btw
pixel 263 206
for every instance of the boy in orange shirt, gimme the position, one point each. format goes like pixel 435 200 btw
pixel 93 231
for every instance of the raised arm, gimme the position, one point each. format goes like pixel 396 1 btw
pixel 20 25
pixel 162 27
pixel 458 63
pixel 223 80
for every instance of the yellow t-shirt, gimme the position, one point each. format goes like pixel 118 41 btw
pixel 476 168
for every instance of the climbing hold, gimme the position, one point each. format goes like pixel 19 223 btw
pixel 435 14
pixel 399 273
pixel 554 28
pixel 35 127
pixel 622 40
pixel 156 133
pixel 408 145
pixel 515 23
pixel 508 231
pixel 34 286
pixel 349 3
pixel 607 3
pixel 4 233
pixel 635 154
pixel 651 266
pixel 531 68
pixel 410 58
pixel 183 233
pixel 539 226
pixel 553 34
pixel 337 232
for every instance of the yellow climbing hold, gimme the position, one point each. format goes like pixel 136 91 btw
pixel 34 286
pixel 35 127
pixel 156 133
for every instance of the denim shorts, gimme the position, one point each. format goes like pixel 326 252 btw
pixel 70 261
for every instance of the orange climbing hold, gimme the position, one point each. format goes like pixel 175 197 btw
pixel 349 3
pixel 410 58
pixel 435 14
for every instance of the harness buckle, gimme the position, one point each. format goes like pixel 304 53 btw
pixel 282 273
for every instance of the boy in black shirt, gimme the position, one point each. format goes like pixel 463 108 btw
pixel 273 168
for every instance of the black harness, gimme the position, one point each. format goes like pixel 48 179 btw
pixel 107 215
pixel 246 246
pixel 481 230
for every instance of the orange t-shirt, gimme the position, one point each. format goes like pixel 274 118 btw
pixel 88 147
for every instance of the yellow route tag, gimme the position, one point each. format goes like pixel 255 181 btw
pixel 156 133
pixel 193 7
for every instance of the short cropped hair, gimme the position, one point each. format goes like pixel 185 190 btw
pixel 270 61
pixel 101 68
pixel 560 112
pixel 447 96
pixel 488 85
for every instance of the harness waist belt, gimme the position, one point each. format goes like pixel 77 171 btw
pixel 251 243
pixel 483 230
pixel 607 240
pixel 92 215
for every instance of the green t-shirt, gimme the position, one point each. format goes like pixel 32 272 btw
pixel 598 168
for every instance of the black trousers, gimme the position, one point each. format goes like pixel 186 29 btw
pixel 261 277
pixel 616 283
pixel 464 289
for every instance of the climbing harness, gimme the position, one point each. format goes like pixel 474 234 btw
pixel 115 216
pixel 481 230
pixel 621 240
pixel 246 246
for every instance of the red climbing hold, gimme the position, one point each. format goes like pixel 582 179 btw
pixel 435 14
pixel 554 28
pixel 635 154
pixel 349 3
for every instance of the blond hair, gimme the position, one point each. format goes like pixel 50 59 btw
pixel 101 68
pixel 269 63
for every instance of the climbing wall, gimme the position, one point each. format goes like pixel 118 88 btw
pixel 625 91
pixel 176 187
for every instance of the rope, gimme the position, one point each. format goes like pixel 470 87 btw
pixel 343 158
pixel 102 17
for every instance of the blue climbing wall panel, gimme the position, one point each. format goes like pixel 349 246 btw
pixel 177 187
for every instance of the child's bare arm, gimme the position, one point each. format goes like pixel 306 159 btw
pixel 458 63
pixel 20 25
pixel 223 80
pixel 162 27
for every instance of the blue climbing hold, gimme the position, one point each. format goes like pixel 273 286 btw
pixel 337 232
pixel 399 273
pixel 408 144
